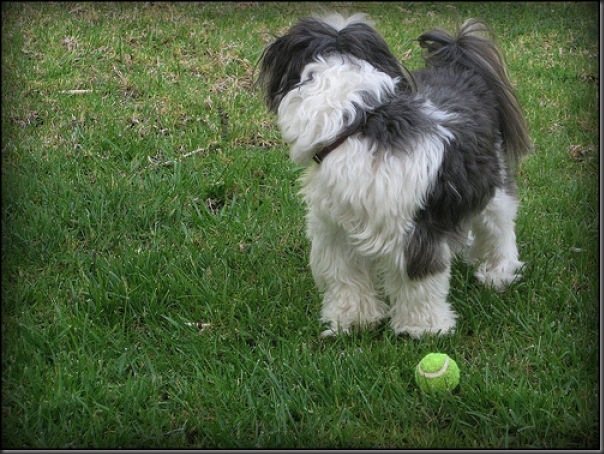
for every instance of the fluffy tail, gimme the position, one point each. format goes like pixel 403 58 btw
pixel 474 48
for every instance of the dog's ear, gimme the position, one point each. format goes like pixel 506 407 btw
pixel 282 62
pixel 272 72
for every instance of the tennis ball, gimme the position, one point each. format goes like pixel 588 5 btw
pixel 437 372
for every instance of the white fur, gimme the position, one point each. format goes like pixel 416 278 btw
pixel 313 114
pixel 361 202
pixel 494 244
pixel 439 116
pixel 339 22
pixel 360 213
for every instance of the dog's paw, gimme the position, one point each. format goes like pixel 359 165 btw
pixel 332 332
pixel 499 277
pixel 438 323
pixel 418 331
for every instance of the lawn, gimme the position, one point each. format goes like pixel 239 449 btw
pixel 155 286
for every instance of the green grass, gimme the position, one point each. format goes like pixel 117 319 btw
pixel 165 196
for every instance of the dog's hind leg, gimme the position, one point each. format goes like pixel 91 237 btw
pixel 494 245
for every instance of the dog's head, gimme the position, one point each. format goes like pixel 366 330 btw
pixel 283 61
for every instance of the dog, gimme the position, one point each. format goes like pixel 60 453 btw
pixel 403 170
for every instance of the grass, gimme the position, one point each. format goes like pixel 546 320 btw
pixel 163 195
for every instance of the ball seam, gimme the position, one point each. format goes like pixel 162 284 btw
pixel 436 374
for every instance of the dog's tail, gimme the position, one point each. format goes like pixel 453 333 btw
pixel 474 47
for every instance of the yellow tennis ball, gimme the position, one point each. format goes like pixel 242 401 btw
pixel 437 372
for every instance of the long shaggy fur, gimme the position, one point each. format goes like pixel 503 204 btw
pixel 424 164
pixel 474 48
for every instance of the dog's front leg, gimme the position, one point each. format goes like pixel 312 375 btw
pixel 346 278
pixel 419 305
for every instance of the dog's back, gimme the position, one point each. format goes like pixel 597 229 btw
pixel 474 49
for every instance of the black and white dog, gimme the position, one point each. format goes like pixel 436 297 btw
pixel 403 169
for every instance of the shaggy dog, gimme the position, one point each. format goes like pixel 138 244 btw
pixel 403 169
